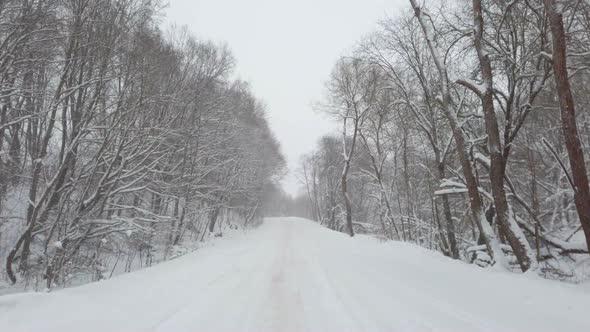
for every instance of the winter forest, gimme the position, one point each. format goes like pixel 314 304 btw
pixel 463 145
pixel 118 141
pixel 464 130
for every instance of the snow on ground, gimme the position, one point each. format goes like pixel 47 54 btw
pixel 293 275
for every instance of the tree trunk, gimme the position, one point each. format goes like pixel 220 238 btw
pixel 213 219
pixel 568 118
pixel 448 216
pixel 513 234
pixel 344 179
pixel 347 204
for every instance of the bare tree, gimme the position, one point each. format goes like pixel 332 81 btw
pixel 460 139
pixel 350 88
pixel 506 221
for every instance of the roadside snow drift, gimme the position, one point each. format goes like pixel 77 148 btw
pixel 293 275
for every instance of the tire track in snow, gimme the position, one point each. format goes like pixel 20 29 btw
pixel 286 306
pixel 211 298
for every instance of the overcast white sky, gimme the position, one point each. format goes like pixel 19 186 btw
pixel 286 50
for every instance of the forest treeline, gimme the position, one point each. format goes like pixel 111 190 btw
pixel 118 140
pixel 464 129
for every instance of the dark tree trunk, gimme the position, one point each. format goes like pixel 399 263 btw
pixel 213 219
pixel 568 118
pixel 347 205
pixel 494 144
pixel 449 217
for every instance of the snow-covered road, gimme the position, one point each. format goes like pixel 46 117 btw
pixel 293 275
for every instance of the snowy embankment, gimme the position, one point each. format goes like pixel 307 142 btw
pixel 293 275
